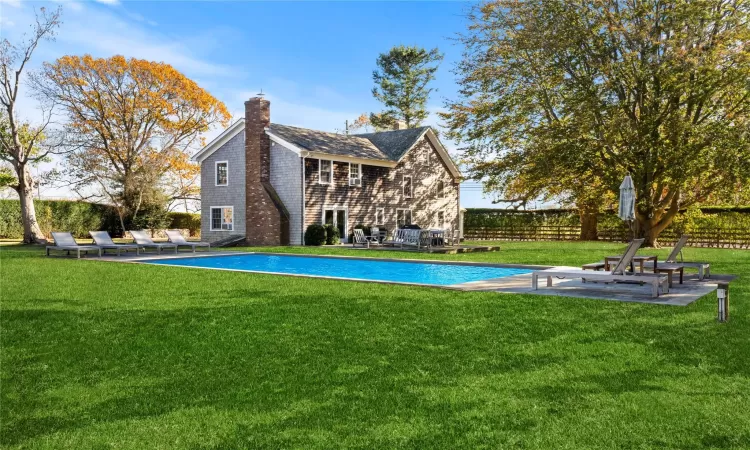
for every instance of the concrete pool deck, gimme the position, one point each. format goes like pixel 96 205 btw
pixel 680 295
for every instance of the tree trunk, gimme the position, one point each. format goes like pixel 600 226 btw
pixel 589 224
pixel 650 229
pixel 31 231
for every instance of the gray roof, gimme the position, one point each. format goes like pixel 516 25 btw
pixel 395 143
pixel 383 145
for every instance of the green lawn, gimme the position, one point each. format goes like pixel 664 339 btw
pixel 100 355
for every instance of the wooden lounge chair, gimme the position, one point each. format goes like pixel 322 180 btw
pixel 66 242
pixel 704 268
pixel 144 241
pixel 102 239
pixel 413 238
pixel 360 238
pixel 617 275
pixel 397 238
pixel 175 237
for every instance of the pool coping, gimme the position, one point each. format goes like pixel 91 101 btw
pixel 457 286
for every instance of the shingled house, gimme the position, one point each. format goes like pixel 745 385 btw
pixel 268 182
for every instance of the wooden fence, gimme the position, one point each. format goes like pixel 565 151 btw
pixel 719 237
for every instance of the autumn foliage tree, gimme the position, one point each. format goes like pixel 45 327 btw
pixel 132 125
pixel 570 96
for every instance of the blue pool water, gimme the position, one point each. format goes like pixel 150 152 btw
pixel 402 272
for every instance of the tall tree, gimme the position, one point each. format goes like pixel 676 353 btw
pixel 401 81
pixel 19 141
pixel 131 127
pixel 600 88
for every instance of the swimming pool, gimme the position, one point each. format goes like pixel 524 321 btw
pixel 351 268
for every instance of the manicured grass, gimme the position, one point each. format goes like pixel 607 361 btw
pixel 100 355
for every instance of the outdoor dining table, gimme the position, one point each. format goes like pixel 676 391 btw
pixel 640 259
pixel 437 237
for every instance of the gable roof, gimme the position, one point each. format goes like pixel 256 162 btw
pixel 385 148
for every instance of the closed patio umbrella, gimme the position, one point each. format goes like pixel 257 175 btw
pixel 627 199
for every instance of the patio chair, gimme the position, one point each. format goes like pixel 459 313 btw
pixel 175 237
pixel 414 238
pixel 144 241
pixel 360 238
pixel 704 268
pixel 617 275
pixel 375 235
pixel 66 242
pixel 103 240
pixel 397 238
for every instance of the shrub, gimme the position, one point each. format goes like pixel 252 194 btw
pixel 55 215
pixel 186 221
pixel 315 234
pixel 333 235
pixel 365 229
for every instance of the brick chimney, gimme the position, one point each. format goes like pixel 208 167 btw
pixel 266 220
pixel 399 125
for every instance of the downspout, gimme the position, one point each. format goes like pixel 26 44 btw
pixel 303 157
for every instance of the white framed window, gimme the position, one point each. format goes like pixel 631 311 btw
pixel 440 189
pixel 222 218
pixel 222 173
pixel 355 174
pixel 325 171
pixel 403 217
pixel 440 219
pixel 406 186
pixel 379 216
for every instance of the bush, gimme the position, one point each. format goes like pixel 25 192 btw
pixel 56 215
pixel 315 234
pixel 332 235
pixel 365 229
pixel 186 221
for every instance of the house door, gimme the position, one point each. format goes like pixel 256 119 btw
pixel 337 216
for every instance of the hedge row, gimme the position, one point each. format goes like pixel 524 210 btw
pixel 78 218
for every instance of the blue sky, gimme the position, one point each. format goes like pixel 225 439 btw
pixel 314 60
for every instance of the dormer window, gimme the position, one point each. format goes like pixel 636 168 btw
pixel 355 174
pixel 222 173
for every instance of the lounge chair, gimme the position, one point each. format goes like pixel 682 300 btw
pixel 360 238
pixel 175 237
pixel 66 242
pixel 617 275
pixel 704 268
pixel 397 238
pixel 104 241
pixel 144 241
pixel 375 235
pixel 413 238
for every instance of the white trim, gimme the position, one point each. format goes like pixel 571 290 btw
pixel 353 159
pixel 216 173
pixel 345 237
pixel 411 186
pixel 211 217
pixel 411 216
pixel 320 179
pixel 232 131
pixel 382 222
pixel 440 149
pixel 359 184
pixel 284 143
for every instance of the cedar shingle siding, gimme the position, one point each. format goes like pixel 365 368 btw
pixel 382 188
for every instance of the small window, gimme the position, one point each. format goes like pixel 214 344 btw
pixel 222 173
pixel 407 186
pixel 379 216
pixel 222 218
pixel 441 219
pixel 440 189
pixel 403 217
pixel 355 174
pixel 325 171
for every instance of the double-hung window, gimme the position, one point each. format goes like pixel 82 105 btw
pixel 222 218
pixel 355 174
pixel 403 217
pixel 222 173
pixel 325 171
pixel 406 186
pixel 379 216
pixel 440 189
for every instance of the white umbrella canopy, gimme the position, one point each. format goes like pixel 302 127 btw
pixel 627 199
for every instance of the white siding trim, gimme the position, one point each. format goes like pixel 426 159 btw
pixel 220 140
pixel 211 217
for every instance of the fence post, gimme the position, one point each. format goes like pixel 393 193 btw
pixel 722 295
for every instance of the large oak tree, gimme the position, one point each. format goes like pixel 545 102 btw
pixel 566 97
pixel 131 127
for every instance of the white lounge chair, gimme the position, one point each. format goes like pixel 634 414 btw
pixel 144 241
pixel 66 242
pixel 617 275
pixel 397 238
pixel 103 240
pixel 413 238
pixel 175 237
pixel 704 268
pixel 375 235
pixel 360 238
